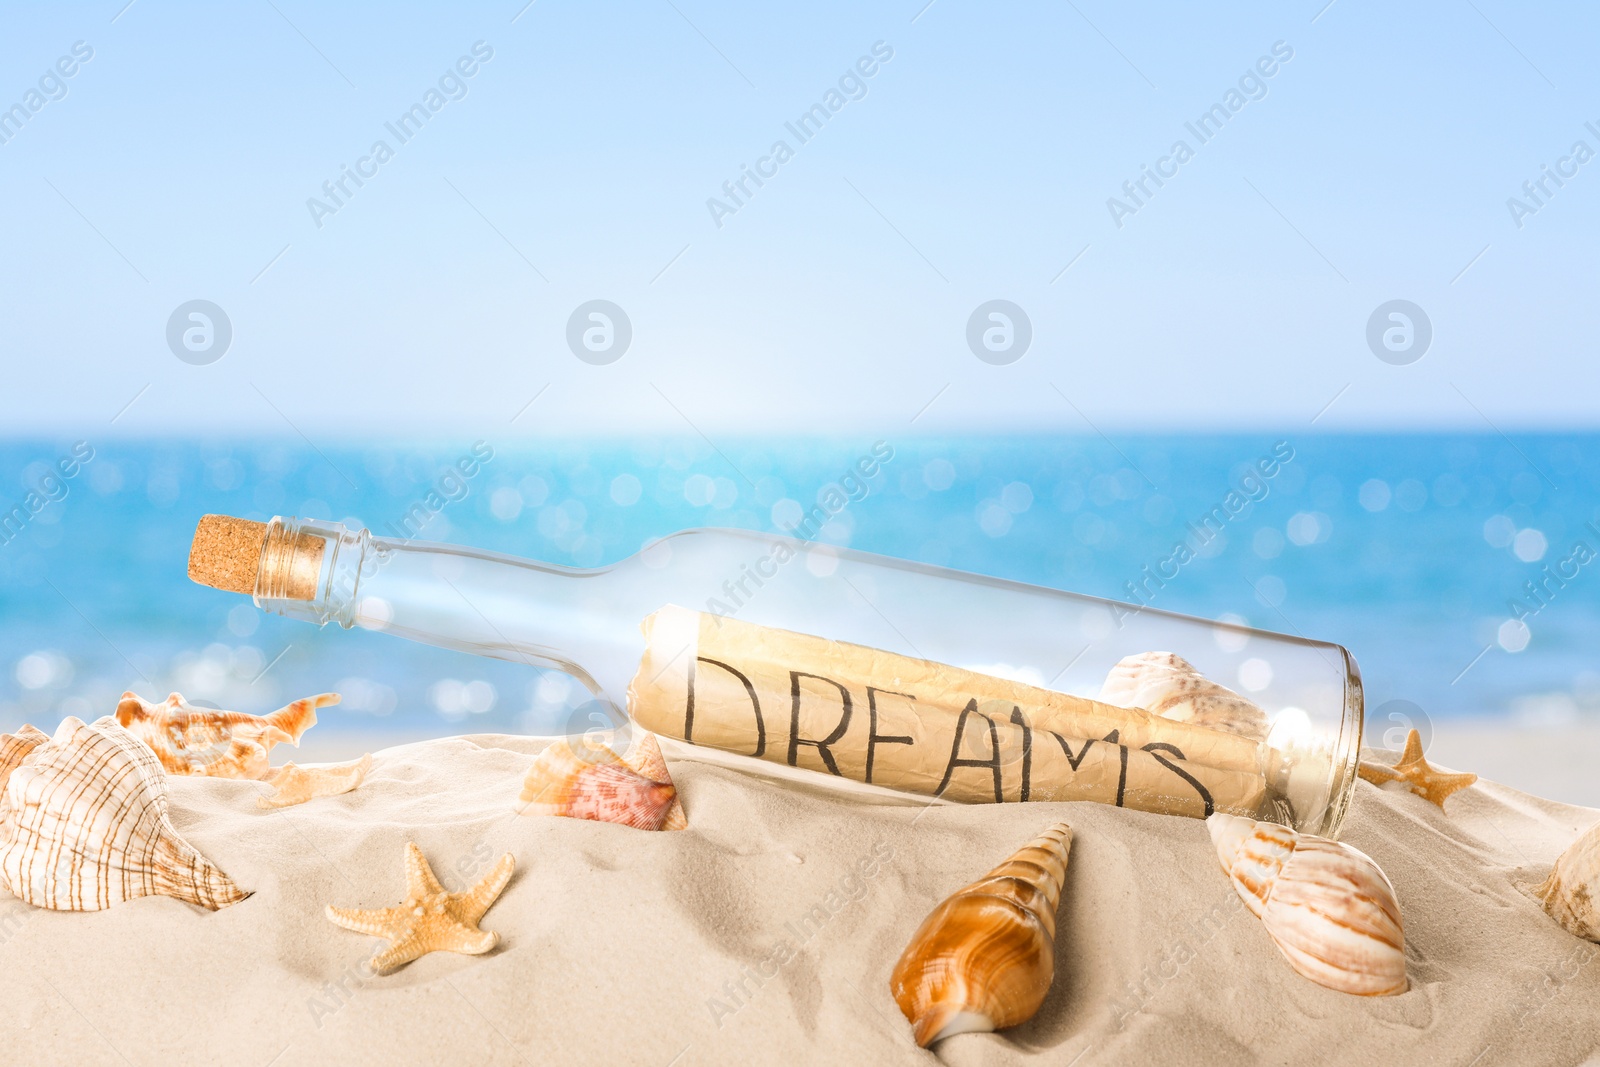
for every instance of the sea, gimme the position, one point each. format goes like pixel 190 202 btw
pixel 1461 570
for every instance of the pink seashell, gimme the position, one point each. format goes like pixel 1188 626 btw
pixel 602 788
pixel 646 758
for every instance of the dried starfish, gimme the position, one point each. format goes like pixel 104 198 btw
pixel 1421 778
pixel 431 919
pixel 296 785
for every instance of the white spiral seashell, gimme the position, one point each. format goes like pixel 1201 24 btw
pixel 1571 895
pixel 1328 907
pixel 1166 684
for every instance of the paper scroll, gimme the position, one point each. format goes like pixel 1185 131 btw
pixel 923 727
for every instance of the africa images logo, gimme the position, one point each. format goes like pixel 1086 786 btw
pixel 199 332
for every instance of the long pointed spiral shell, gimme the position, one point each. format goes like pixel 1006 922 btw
pixel 85 826
pixel 1328 907
pixel 985 957
pixel 1571 895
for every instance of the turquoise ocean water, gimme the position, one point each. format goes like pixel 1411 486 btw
pixel 1415 551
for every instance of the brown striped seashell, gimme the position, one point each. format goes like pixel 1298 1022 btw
pixel 86 827
pixel 14 748
pixel 1328 907
pixel 217 744
pixel 984 959
pixel 1571 895
pixel 1166 684
pixel 598 785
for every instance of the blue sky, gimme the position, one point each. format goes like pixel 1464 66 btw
pixel 976 166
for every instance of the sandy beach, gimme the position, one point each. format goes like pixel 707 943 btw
pixel 624 946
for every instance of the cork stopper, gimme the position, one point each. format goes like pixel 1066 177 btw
pixel 226 553
pixel 257 559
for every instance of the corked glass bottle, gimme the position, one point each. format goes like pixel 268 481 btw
pixel 899 674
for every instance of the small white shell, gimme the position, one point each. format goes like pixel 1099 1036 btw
pixel 1166 684
pixel 1569 894
pixel 1328 907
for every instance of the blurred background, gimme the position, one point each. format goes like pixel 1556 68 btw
pixel 680 263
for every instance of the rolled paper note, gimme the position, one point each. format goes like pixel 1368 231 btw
pixel 924 727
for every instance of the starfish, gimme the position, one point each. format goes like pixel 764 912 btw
pixel 296 785
pixel 431 919
pixel 1421 778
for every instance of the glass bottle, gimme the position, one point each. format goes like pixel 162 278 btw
pixel 858 612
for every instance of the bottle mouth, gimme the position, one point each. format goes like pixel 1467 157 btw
pixel 290 563
pixel 1347 750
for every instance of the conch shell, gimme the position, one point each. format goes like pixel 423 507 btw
pixel 86 826
pixel 1328 907
pixel 14 748
pixel 1166 684
pixel 218 744
pixel 1571 895
pixel 985 957
pixel 598 785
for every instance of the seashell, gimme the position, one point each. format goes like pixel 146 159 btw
pixel 601 787
pixel 296 785
pixel 646 758
pixel 218 744
pixel 15 747
pixel 985 957
pixel 1570 894
pixel 1166 684
pixel 86 827
pixel 1328 907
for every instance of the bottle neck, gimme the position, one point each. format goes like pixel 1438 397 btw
pixel 311 570
pixel 476 602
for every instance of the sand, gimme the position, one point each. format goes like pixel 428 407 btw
pixel 620 946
